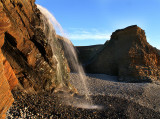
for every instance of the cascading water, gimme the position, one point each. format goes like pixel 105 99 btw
pixel 71 53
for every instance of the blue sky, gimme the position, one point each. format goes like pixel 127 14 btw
pixel 89 22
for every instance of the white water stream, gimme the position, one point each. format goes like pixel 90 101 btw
pixel 71 53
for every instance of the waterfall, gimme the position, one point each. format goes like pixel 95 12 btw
pixel 70 50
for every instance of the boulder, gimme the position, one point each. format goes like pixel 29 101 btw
pixel 129 56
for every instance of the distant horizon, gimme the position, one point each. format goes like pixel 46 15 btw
pixel 91 22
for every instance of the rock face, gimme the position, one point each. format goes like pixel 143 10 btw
pixel 85 53
pixel 26 54
pixel 158 51
pixel 8 79
pixel 129 56
pixel 27 49
pixel 67 47
pixel 6 98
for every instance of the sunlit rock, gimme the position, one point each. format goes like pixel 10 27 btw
pixel 129 56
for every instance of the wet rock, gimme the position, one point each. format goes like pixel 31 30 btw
pixel 28 51
pixel 27 60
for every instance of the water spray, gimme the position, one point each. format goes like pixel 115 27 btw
pixel 70 52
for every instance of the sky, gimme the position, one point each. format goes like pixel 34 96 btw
pixel 90 22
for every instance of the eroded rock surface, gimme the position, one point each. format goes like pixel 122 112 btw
pixel 26 55
pixel 27 49
pixel 129 56
pixel 8 79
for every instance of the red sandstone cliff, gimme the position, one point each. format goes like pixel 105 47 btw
pixel 28 51
pixel 26 55
pixel 129 56
pixel 8 79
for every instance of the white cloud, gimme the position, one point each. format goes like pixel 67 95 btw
pixel 92 34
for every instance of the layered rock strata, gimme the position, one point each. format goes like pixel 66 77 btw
pixel 26 53
pixel 8 79
pixel 129 56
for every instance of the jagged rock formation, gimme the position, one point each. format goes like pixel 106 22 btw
pixel 28 51
pixel 129 56
pixel 26 55
pixel 8 79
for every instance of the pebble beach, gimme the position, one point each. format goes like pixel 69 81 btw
pixel 116 99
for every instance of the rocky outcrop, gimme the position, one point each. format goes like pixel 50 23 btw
pixel 27 59
pixel 28 51
pixel 8 79
pixel 129 56
pixel 6 84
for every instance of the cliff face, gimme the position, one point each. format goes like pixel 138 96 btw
pixel 85 53
pixel 129 56
pixel 26 53
pixel 64 43
pixel 7 77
